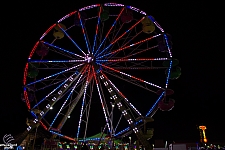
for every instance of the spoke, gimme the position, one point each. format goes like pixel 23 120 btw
pixel 62 49
pixel 149 112
pixel 96 30
pixel 55 61
pixel 49 85
pixel 133 77
pixel 131 45
pixel 100 96
pixel 155 104
pixel 71 39
pixel 118 123
pixel 109 30
pixel 58 66
pixel 139 68
pixel 150 48
pixel 104 101
pixel 82 107
pixel 89 107
pixel 120 37
pixel 130 81
pixel 63 136
pixel 122 45
pixel 114 34
pixel 71 92
pixel 137 59
pixel 132 38
pixel 54 74
pixel 53 91
pixel 83 31
pixel 72 106
pixel 121 94
pixel 51 68
pixel 35 116
pixel 131 53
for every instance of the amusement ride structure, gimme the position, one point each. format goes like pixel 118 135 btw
pixel 105 65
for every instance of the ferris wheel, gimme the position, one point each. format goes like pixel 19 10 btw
pixel 105 66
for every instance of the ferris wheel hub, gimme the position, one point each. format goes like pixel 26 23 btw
pixel 89 58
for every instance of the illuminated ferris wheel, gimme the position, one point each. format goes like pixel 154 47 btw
pixel 105 65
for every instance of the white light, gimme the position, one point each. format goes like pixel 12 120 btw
pixel 68 116
pixel 51 107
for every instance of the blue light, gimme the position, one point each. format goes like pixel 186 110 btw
pixel 33 114
pixel 56 133
pixel 167 44
pixel 155 104
pixel 168 74
pixel 151 18
pixel 19 148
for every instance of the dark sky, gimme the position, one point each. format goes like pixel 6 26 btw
pixel 197 38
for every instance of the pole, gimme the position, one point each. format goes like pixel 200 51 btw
pixel 112 130
pixel 35 137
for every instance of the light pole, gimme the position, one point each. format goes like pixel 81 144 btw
pixel 111 122
pixel 112 130
pixel 130 142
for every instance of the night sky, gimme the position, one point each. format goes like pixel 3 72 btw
pixel 197 39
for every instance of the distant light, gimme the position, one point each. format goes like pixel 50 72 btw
pixel 51 107
pixel 68 116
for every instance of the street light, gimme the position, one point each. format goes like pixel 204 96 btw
pixel 111 121
pixel 113 105
pixel 130 139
